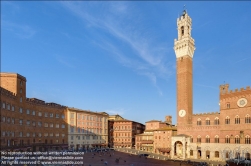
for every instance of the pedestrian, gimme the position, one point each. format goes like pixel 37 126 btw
pixel 106 162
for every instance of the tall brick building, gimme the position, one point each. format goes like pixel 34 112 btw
pixel 29 123
pixel 216 135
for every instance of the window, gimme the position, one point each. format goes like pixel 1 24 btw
pixel 13 121
pixel 182 30
pixel 227 139
pixel 13 108
pixel 72 115
pixel 199 139
pixel 34 135
pixel 20 110
pixel 3 119
pixel 207 139
pixel 216 121
pixel 216 154
pixel 83 117
pixel 247 140
pixel 237 140
pixel 247 119
pixel 33 123
pixel 33 112
pixel 8 120
pixel 28 122
pixel 21 90
pixel 72 129
pixel 51 125
pixel 207 121
pixel 39 113
pixel 57 115
pixel 3 105
pixel 227 120
pixel 71 137
pixel 21 83
pixel 57 125
pixel 237 119
pixel 216 139
pixel 46 134
pixel 228 105
pixel 46 114
pixel 63 126
pixel 27 111
pixel 21 122
pixel 45 124
pixel 8 107
pixel 63 135
pixel 51 134
pixel 21 99
pixel 27 134
pixel 79 130
pixel 39 134
pixel 39 124
pixel 198 122
pixel 62 116
pixel 51 115
pixel 57 134
pixel 20 134
pixel 191 139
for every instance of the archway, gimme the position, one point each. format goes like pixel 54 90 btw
pixel 208 154
pixel 178 149
pixel 199 154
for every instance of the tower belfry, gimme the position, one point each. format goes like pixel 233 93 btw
pixel 184 49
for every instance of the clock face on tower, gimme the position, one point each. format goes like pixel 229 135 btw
pixel 182 113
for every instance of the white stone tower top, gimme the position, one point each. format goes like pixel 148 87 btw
pixel 185 43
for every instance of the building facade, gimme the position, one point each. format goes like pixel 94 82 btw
pixel 29 123
pixel 124 132
pixel 111 120
pixel 87 129
pixel 157 137
pixel 216 135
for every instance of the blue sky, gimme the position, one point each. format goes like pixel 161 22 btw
pixel 118 57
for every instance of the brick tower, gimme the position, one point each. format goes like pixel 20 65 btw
pixel 184 50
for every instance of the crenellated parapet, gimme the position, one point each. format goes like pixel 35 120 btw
pixel 7 93
pixel 43 103
pixel 226 93
pixel 208 113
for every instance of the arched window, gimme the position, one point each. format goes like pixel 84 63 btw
pixel 216 139
pixel 227 139
pixel 191 139
pixel 199 139
pixel 216 154
pixel 207 139
pixel 228 105
pixel 247 139
pixel 227 120
pixel 237 139
pixel 237 119
pixel 182 30
pixel 247 119
pixel 216 121
pixel 207 121
pixel 199 122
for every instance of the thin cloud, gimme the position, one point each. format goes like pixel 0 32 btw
pixel 64 62
pixel 119 111
pixel 22 31
pixel 149 58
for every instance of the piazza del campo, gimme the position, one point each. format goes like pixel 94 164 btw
pixel 34 125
